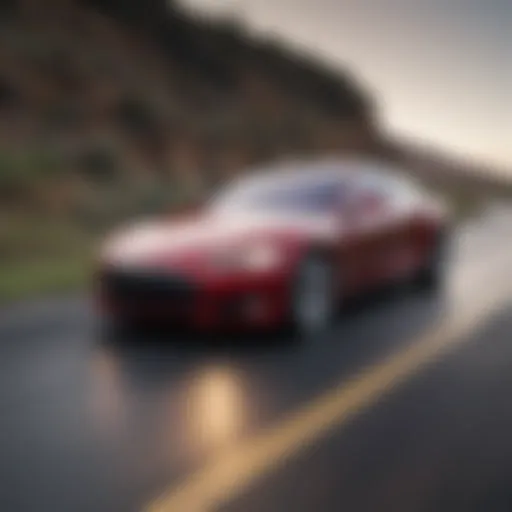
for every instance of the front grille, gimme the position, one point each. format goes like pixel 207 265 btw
pixel 147 286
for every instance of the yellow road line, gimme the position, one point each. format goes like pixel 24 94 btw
pixel 224 479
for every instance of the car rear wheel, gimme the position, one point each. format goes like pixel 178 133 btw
pixel 431 276
pixel 312 302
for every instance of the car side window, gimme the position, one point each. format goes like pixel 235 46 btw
pixel 387 192
pixel 405 193
pixel 374 188
pixel 368 199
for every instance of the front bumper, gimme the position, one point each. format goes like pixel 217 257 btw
pixel 251 300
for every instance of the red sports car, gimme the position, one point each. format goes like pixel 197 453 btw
pixel 277 247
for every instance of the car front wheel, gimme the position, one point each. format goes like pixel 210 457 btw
pixel 312 301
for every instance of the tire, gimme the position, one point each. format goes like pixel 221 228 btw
pixel 431 276
pixel 312 301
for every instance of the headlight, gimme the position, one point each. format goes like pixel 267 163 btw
pixel 253 258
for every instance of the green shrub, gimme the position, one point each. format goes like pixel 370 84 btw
pixel 20 171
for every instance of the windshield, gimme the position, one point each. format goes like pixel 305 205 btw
pixel 311 195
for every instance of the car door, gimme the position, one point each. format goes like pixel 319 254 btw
pixel 366 226
pixel 399 258
pixel 414 207
pixel 377 241
pixel 404 252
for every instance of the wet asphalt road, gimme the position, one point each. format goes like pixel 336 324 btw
pixel 95 424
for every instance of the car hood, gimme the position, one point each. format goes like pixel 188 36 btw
pixel 157 240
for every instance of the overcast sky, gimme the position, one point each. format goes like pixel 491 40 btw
pixel 442 68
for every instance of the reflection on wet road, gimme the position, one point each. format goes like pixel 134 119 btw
pixel 94 423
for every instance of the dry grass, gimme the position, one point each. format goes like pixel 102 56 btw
pixel 24 279
pixel 40 256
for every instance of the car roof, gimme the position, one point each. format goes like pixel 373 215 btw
pixel 346 170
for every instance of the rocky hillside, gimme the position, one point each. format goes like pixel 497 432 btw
pixel 122 94
pixel 113 106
